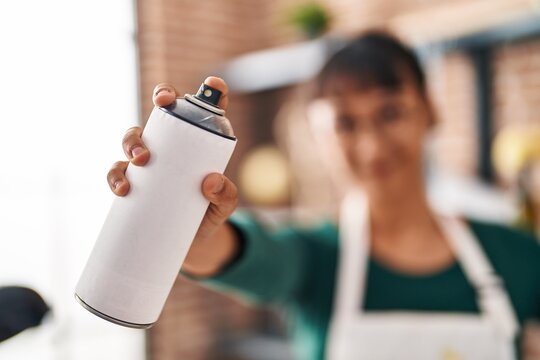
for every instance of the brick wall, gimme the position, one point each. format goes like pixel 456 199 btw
pixel 451 82
pixel 516 82
pixel 181 41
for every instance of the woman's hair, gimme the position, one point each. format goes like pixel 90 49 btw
pixel 375 59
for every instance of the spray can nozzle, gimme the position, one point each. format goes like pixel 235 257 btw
pixel 209 95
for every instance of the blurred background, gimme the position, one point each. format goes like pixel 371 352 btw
pixel 74 75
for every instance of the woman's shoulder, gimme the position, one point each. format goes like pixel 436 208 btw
pixel 515 256
pixel 493 234
pixel 508 246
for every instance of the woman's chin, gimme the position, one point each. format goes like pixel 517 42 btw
pixel 387 185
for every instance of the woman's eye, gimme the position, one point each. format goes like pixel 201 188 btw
pixel 344 123
pixel 390 113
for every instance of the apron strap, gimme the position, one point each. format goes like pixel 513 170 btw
pixel 493 300
pixel 353 255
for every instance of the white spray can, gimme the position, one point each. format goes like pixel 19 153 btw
pixel 147 233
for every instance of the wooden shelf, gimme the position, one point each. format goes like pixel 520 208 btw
pixel 279 67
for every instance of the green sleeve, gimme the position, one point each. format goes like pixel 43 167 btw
pixel 271 267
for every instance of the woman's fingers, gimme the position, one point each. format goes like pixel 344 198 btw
pixel 134 147
pixel 136 152
pixel 164 94
pixel 117 180
pixel 219 84
pixel 223 197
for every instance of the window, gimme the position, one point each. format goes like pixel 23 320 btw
pixel 67 94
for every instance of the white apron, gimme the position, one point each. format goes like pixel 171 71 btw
pixel 359 335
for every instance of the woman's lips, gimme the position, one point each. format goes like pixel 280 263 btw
pixel 380 170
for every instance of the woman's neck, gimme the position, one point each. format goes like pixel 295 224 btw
pixel 405 235
pixel 394 213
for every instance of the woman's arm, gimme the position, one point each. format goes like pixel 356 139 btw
pixel 208 255
pixel 270 266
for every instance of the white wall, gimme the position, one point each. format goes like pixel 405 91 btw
pixel 67 94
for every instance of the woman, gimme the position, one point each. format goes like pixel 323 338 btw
pixel 397 280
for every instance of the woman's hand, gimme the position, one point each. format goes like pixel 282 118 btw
pixel 215 242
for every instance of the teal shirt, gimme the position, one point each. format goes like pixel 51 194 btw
pixel 296 268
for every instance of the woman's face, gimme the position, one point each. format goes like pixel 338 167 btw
pixel 381 133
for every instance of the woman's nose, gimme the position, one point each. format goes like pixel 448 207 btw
pixel 369 144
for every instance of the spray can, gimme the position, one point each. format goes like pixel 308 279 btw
pixel 147 233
